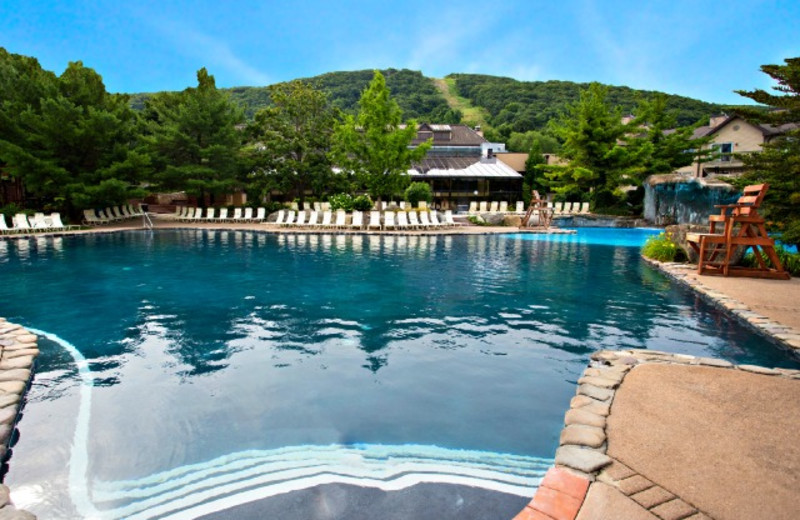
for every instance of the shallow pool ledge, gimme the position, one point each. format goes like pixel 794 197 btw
pixel 18 351
pixel 590 482
pixel 781 334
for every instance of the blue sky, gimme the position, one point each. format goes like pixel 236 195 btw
pixel 694 48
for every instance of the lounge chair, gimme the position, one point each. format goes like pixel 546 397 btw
pixel 413 222
pixel 503 206
pixel 568 208
pixel 313 219
pixel 584 208
pixel 38 221
pixel 317 206
pixel 558 208
pixel 448 218
pixel 483 207
pixel 402 220
pixel 473 207
pixel 388 220
pixel 237 215
pixel 118 213
pixel 435 219
pixel 135 212
pixel 55 219
pixel 4 229
pixel 90 218
pixel 358 220
pixel 327 216
pixel 402 204
pixel 125 211
pixel 423 205
pixel 424 220
pixel 281 216
pixel 261 215
pixel 384 204
pixel 374 219
pixel 341 219
pixel 248 215
pixel 223 215
pixel 289 219
pixel 301 218
pixel 493 207
pixel 210 214
pixel 21 223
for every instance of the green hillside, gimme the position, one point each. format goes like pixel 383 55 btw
pixel 506 104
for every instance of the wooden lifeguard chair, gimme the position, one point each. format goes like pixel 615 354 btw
pixel 537 204
pixel 742 226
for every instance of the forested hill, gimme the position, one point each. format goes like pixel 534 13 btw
pixel 512 105
pixel 528 105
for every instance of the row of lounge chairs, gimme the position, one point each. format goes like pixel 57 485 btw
pixel 112 214
pixel 377 220
pixel 558 208
pixel 39 222
pixel 321 207
pixel 189 214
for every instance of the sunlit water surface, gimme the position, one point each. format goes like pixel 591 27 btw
pixel 256 363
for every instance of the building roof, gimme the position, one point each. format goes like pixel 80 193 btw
pixel 452 166
pixel 448 135
pixel 766 130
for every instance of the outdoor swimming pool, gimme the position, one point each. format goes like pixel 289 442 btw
pixel 226 365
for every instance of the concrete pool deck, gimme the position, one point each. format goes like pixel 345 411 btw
pixel 658 436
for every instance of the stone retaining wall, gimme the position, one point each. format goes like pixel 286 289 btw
pixel 18 351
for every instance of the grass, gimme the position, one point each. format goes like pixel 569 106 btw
pixel 471 115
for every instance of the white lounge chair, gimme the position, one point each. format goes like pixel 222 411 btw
pixel 237 215
pixel 289 218
pixel 374 220
pixel 135 212
pixel 402 204
pixel 55 219
pixel 558 208
pixel 424 221
pixel 281 216
pixel 402 220
pixel 116 213
pixel 341 219
pixel 388 220
pixel 210 214
pixel 261 215
pixel 4 229
pixel 248 215
pixel 317 206
pixel 38 221
pixel 327 217
pixel 125 212
pixel 584 208
pixel 473 207
pixel 223 215
pixel 301 218
pixel 21 223
pixel 567 208
pixel 520 207
pixel 448 218
pixel 435 219
pixel 503 206
pixel 313 219
pixel 413 222
pixel 483 207
pixel 493 207
pixel 358 220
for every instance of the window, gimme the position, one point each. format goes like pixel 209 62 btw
pixel 724 151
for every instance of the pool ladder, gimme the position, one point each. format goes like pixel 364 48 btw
pixel 146 222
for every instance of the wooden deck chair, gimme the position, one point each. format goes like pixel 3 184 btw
pixel 742 227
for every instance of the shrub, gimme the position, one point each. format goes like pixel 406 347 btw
pixel 362 203
pixel 662 248
pixel 418 191
pixel 789 260
pixel 341 201
pixel 478 221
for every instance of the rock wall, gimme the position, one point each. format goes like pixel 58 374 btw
pixel 675 199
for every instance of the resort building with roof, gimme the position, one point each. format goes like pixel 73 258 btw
pixel 462 166
pixel 732 135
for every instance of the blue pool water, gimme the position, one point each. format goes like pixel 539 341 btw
pixel 187 371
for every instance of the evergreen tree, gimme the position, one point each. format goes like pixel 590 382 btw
pixel 374 145
pixel 194 139
pixel 778 164
pixel 293 139
pixel 534 178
